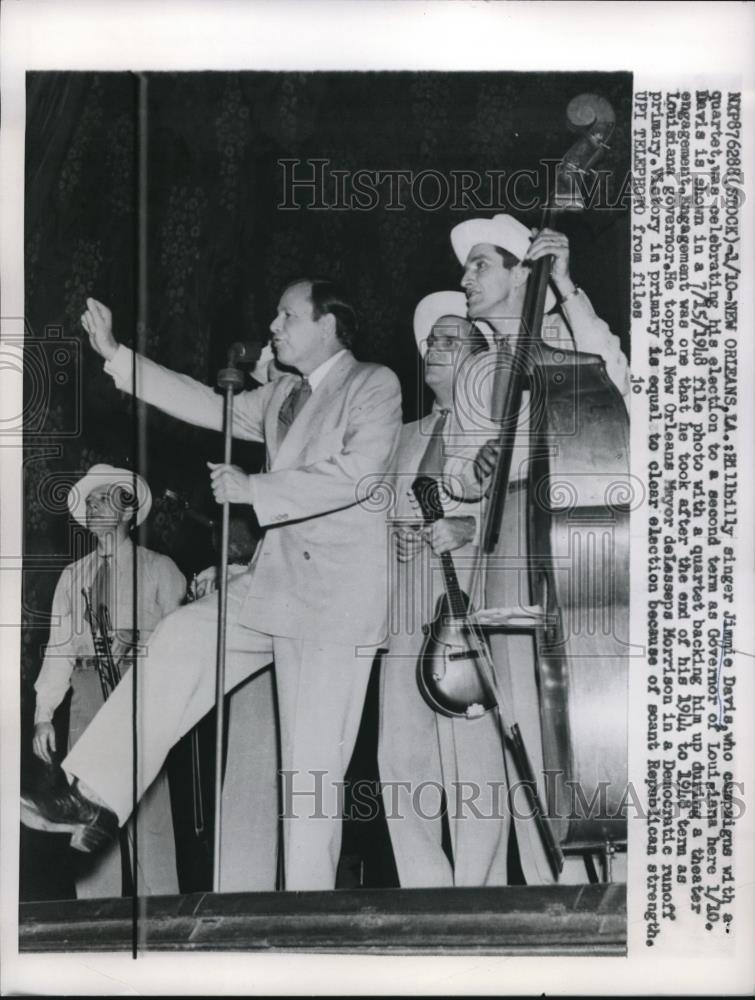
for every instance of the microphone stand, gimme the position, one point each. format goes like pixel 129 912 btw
pixel 230 380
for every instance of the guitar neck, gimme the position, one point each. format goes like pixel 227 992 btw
pixel 456 602
pixel 427 493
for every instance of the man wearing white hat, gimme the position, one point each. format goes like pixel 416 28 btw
pixel 109 501
pixel 495 254
pixel 423 755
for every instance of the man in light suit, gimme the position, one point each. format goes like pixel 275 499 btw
pixel 314 599
pixel 461 757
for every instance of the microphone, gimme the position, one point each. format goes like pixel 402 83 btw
pixel 244 352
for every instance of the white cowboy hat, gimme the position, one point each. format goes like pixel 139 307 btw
pixel 501 231
pixel 438 304
pixel 108 475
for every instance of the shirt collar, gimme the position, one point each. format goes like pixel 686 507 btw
pixel 119 557
pixel 315 378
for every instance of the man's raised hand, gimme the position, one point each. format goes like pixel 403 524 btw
pixel 98 323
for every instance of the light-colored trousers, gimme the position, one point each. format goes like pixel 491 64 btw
pixel 249 836
pixel 421 752
pixel 464 756
pixel 321 688
pixel 101 874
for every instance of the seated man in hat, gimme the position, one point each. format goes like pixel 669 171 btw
pixel 496 255
pixel 109 501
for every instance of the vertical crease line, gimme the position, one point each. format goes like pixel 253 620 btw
pixel 140 452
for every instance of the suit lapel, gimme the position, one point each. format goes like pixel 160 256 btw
pixel 283 387
pixel 307 421
pixel 421 438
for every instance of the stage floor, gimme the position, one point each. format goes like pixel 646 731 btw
pixel 513 920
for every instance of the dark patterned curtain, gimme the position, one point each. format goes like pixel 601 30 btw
pixel 220 250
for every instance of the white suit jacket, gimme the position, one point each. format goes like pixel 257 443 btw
pixel 320 570
pixel 417 584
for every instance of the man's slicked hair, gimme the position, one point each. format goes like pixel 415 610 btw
pixel 327 296
pixel 509 259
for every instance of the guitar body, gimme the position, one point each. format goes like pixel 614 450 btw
pixel 447 670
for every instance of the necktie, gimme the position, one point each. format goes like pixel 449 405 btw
pixel 292 404
pixel 432 460
pixel 101 588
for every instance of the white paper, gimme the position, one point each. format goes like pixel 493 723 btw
pixel 667 47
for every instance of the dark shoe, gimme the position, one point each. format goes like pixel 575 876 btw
pixel 62 808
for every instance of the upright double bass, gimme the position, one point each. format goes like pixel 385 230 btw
pixel 576 507
pixel 565 580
